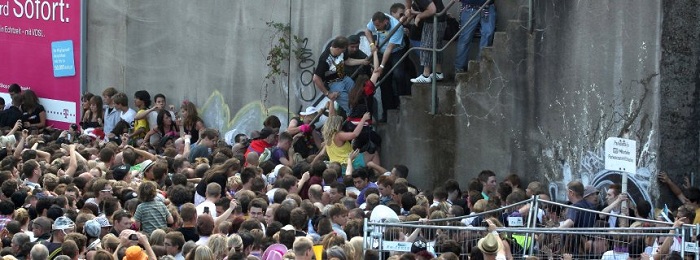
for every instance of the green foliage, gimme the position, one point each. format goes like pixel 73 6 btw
pixel 283 44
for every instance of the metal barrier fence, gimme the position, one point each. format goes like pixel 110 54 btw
pixel 534 235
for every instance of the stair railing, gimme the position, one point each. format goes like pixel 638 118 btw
pixel 433 107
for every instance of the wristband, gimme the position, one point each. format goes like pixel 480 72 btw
pixel 381 66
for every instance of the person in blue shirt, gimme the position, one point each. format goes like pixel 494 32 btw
pixel 377 32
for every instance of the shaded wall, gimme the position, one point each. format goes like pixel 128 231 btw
pixel 541 104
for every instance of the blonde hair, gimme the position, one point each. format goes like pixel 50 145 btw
pixel 157 237
pixel 22 216
pixel 203 253
pixel 331 127
pixel 235 242
pixel 356 243
pixel 218 244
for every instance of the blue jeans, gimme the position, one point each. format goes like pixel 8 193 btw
pixel 488 25
pixel 343 88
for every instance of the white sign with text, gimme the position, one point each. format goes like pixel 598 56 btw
pixel 621 155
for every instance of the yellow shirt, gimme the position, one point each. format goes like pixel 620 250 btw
pixel 339 154
pixel 697 216
pixel 141 123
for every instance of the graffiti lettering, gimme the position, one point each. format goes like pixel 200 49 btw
pixel 306 65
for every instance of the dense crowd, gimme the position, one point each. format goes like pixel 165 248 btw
pixel 149 180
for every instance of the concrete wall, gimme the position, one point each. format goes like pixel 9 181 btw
pixel 678 106
pixel 542 104
pixel 213 53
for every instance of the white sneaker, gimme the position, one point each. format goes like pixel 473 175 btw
pixel 422 79
pixel 439 76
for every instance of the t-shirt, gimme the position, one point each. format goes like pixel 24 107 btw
pixel 33 117
pixel 277 154
pixel 141 123
pixel 9 117
pixel 361 197
pixel 221 179
pixel 350 70
pixel 128 116
pixel 330 67
pixel 111 118
pixel 199 151
pixel 190 233
pixel 152 215
pixel 205 204
pixel 581 218
pixel 422 5
pixel 382 33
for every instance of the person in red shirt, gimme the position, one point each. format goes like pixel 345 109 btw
pixel 266 139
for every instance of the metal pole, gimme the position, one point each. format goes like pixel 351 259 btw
pixel 683 243
pixel 433 107
pixel 697 232
pixel 532 222
pixel 364 237
pixel 529 16
pixel 83 53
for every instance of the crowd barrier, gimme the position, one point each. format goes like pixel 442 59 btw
pixel 532 236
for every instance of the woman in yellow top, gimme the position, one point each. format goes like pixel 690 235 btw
pixel 338 143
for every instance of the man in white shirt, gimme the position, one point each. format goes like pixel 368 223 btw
pixel 213 194
pixel 121 103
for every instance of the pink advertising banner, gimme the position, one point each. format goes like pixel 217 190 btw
pixel 40 49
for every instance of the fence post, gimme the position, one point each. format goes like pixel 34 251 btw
pixel 697 232
pixel 682 239
pixel 531 223
pixel 433 107
pixel 364 236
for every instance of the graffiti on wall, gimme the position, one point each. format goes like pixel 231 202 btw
pixel 217 114
pixel 592 171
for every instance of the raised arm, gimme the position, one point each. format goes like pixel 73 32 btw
pixel 663 178
pixel 145 154
pixel 73 161
pixel 376 73
pixel 348 136
pixel 224 216
pixel 20 145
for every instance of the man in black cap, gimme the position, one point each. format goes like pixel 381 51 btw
pixel 121 173
pixel 354 52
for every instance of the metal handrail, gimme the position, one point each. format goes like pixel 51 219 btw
pixel 434 50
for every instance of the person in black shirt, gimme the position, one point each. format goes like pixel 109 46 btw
pixel 188 213
pixel 423 11
pixel 330 76
pixel 354 52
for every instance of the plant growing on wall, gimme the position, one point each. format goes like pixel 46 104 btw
pixel 283 45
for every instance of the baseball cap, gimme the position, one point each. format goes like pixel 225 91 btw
pixel 63 222
pixel 103 222
pixel 120 172
pixel 589 190
pixel 135 253
pixel 92 228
